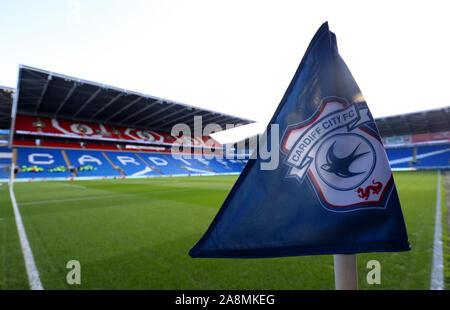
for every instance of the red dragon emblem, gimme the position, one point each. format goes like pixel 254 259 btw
pixel 365 193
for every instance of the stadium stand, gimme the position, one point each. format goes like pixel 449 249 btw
pixel 400 157
pixel 236 165
pixel 218 165
pixel 5 162
pixel 132 164
pixel 425 156
pixel 63 127
pixel 90 164
pixel 38 162
pixel 432 156
pixel 51 127
pixel 190 164
pixel 166 164
pixel 41 163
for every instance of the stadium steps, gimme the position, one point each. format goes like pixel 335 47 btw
pixel 414 158
pixel 68 162
pixel 5 163
pixel 112 164
pixel 227 167
pixel 201 164
pixel 228 164
pixel 191 165
pixel 176 164
pixel 14 161
pixel 433 156
pixel 148 164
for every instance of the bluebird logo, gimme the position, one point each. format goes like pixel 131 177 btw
pixel 344 161
pixel 341 166
pixel 340 155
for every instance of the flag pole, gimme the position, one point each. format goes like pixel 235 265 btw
pixel 345 272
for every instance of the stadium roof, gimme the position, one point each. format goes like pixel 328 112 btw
pixel 45 93
pixel 6 99
pixel 55 95
pixel 414 123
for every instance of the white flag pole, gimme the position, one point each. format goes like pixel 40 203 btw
pixel 345 272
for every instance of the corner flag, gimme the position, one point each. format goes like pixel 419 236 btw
pixel 332 191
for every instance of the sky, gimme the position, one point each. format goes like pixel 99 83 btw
pixel 235 57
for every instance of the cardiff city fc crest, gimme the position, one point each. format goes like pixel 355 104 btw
pixel 341 155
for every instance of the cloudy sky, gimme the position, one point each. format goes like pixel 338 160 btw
pixel 236 57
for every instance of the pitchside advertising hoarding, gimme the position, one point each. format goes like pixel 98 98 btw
pixel 421 138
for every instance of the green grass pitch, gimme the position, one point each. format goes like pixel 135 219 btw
pixel 135 234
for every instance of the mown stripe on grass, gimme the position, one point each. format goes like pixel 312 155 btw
pixel 98 197
pixel 12 267
pixel 142 242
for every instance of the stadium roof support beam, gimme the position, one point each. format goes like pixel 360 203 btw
pixel 3 95
pixel 41 96
pixel 90 99
pixel 139 111
pixel 208 121
pixel 177 120
pixel 406 122
pixel 388 125
pixel 217 119
pixel 3 118
pixel 6 100
pixel 170 105
pixel 123 109
pixel 106 106
pixel 66 98
pixel 14 110
pixel 213 118
pixel 428 122
pixel 162 120
pixel 447 119
pixel 223 124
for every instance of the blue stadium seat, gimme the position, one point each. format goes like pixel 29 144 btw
pixel 400 157
pixel 95 164
pixel 189 164
pixel 428 156
pixel 5 162
pixel 433 156
pixel 91 163
pixel 131 164
pixel 41 163
pixel 215 165
pixel 48 163
pixel 235 164
pixel 163 163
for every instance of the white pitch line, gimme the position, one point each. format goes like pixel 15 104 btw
pixel 30 265
pixel 437 269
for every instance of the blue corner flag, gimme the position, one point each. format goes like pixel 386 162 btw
pixel 332 191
